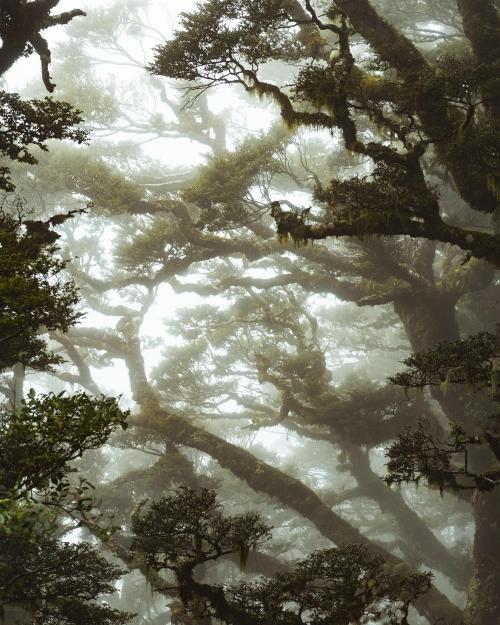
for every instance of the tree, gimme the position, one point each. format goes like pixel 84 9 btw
pixel 33 296
pixel 21 23
pixel 41 439
pixel 31 122
pixel 229 44
pixel 24 123
pixel 422 106
pixel 341 586
pixel 55 582
pixel 273 349
pixel 52 580
pixel 468 460
pixel 451 464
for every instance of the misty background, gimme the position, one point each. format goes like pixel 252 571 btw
pixel 279 349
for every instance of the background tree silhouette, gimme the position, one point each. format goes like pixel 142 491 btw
pixel 258 364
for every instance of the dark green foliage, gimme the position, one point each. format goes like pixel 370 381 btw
pixel 56 583
pixel 482 146
pixel 50 580
pixel 49 431
pixel 471 360
pixel 466 79
pixel 420 454
pixel 215 39
pixel 318 84
pixel 336 586
pixel 24 123
pixel 37 443
pixel 33 296
pixel 387 191
pixel 472 85
pixel 188 528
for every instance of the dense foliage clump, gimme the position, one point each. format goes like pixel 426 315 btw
pixel 340 585
pixel 33 295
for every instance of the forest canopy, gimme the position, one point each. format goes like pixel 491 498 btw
pixel 249 312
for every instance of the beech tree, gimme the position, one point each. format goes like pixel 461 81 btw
pixel 279 337
pixel 448 105
pixel 340 585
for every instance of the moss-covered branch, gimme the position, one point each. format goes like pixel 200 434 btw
pixel 480 244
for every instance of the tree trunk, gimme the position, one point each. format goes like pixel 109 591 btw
pixel 428 318
pixel 413 529
pixel 426 323
pixel 15 615
pixel 483 604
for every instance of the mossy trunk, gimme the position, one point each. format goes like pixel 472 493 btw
pixel 483 601
pixel 180 616
pixel 427 318
pixel 428 321
pixel 413 529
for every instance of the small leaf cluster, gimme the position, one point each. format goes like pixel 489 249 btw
pixel 66 582
pixel 37 443
pixel 318 84
pixel 188 528
pixel 69 168
pixel 470 360
pixel 160 240
pixel 418 454
pixel 221 187
pixel 24 123
pixel 467 81
pixel 386 191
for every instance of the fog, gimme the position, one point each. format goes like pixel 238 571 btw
pixel 254 350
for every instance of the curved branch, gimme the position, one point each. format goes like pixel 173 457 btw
pixel 264 478
pixel 21 23
pixel 481 244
